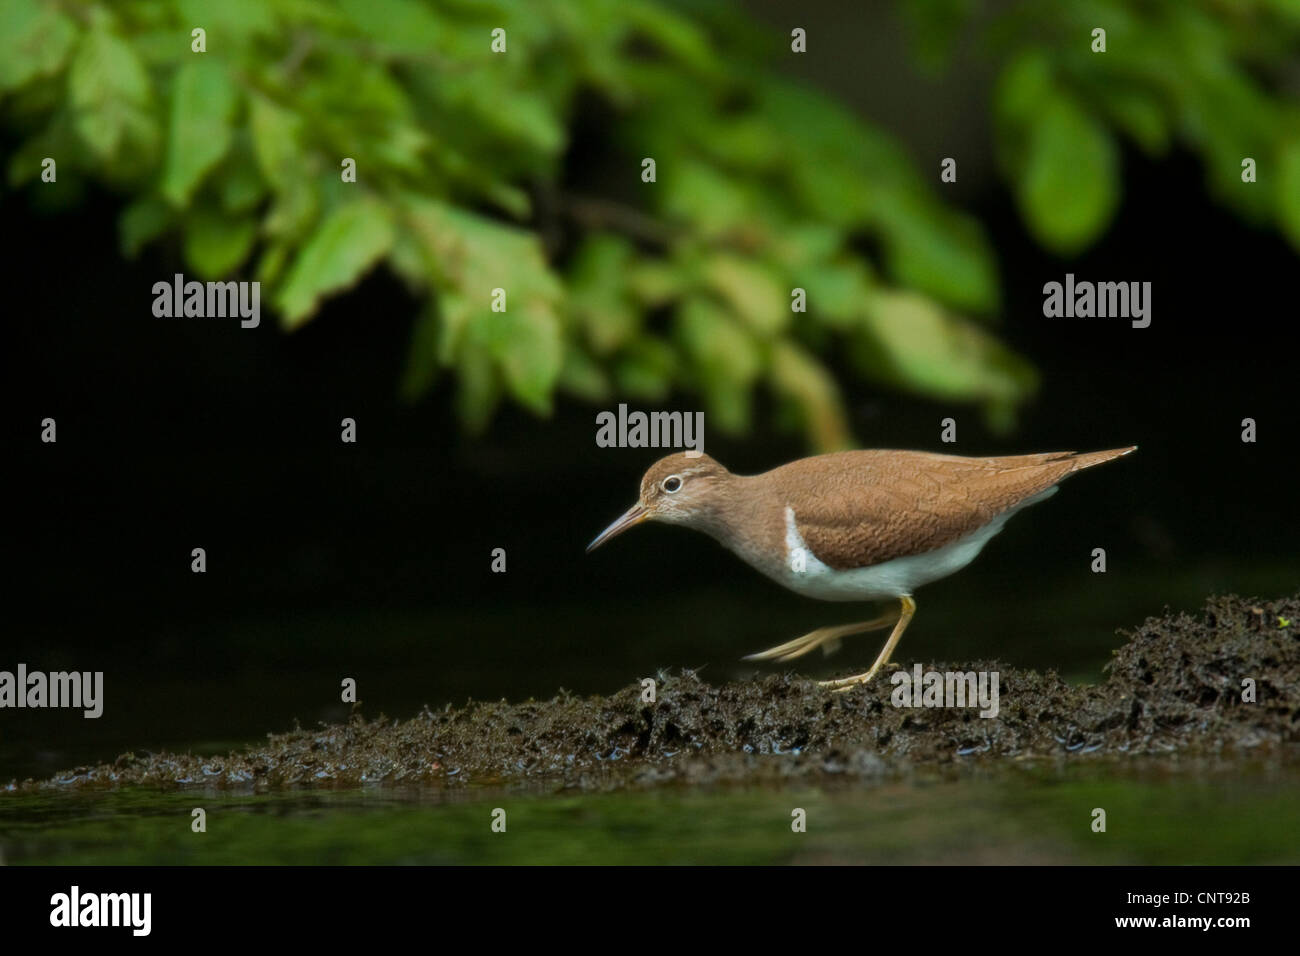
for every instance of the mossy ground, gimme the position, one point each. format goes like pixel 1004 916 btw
pixel 1174 688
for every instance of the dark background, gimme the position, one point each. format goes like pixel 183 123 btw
pixel 372 560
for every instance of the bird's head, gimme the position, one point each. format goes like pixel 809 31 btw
pixel 676 489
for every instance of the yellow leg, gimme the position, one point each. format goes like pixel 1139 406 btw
pixel 845 683
pixel 820 637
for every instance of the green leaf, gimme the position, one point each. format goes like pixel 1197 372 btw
pixel 725 358
pixel 241 186
pixel 474 255
pixel 59 138
pixel 674 34
pixel 525 342
pixel 1231 119
pixel 752 290
pixel 654 283
pixel 204 102
pixel 711 201
pixel 645 369
pixel 581 376
pixel 408 262
pixel 422 356
pixel 479 391
pixel 1069 189
pixel 228 20
pixel 911 342
pixel 1142 116
pixel 806 383
pixel 295 210
pixel 454 316
pixel 276 139
pixel 398 26
pixel 1023 88
pixel 469 257
pixel 345 246
pixel 598 294
pixel 35 39
pixel 532 122
pixel 836 290
pixel 107 89
pixel 272 263
pixel 217 243
pixel 1288 186
pixel 142 222
pixel 938 252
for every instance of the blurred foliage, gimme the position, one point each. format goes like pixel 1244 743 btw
pixel 1219 78
pixel 522 171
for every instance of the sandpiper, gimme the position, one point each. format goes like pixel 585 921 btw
pixel 853 525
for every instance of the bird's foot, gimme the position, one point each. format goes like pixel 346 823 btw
pixel 827 638
pixel 798 647
pixel 844 684
pixel 848 683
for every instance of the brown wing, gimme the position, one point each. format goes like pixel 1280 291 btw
pixel 861 508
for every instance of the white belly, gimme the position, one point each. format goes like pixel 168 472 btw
pixel 806 575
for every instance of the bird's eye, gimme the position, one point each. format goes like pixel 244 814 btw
pixel 672 483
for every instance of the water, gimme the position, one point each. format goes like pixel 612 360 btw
pixel 1194 814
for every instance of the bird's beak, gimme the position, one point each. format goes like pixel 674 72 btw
pixel 633 516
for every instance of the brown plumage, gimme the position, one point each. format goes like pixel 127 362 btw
pixel 907 502
pixel 854 525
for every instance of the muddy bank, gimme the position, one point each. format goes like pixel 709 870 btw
pixel 1173 688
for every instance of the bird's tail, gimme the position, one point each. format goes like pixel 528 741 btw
pixel 1089 458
